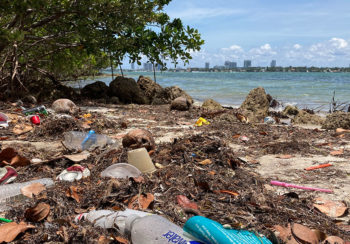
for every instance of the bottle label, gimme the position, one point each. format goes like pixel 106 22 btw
pixel 174 238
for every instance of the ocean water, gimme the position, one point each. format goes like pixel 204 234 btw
pixel 306 90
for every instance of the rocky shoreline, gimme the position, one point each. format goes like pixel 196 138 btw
pixel 233 187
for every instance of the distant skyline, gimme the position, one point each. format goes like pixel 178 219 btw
pixel 296 33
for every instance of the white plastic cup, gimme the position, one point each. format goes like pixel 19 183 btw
pixel 141 160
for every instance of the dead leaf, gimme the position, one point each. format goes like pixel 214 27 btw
pixel 341 130
pixel 37 213
pixel 103 240
pixel 3 138
pixel 33 189
pixel 19 161
pixel 263 133
pixel 122 240
pixel 86 125
pixel 236 136
pixel 284 156
pixel 138 179
pixel 72 193
pixel 7 154
pixel 21 129
pixel 232 193
pixel 9 231
pixel 333 209
pixel 337 152
pixel 184 202
pixel 141 201
pixel 333 240
pixel 78 157
pixel 285 234
pixel 212 172
pixel 206 162
pixel 304 234
pixel 341 136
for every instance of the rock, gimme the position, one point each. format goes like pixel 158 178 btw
pixel 337 120
pixel 304 117
pixel 64 106
pixel 181 104
pixel 149 88
pixel 168 94
pixel 273 102
pixel 127 90
pixel 114 100
pixel 95 90
pixel 211 104
pixel 290 110
pixel 256 105
pixel 231 118
pixel 139 138
pixel 46 90
pixel 30 99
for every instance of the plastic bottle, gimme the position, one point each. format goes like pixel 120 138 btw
pixel 74 140
pixel 40 109
pixel 89 140
pixel 109 219
pixel 9 191
pixel 210 231
pixel 155 229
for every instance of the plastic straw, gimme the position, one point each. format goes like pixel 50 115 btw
pixel 318 166
pixel 5 220
pixel 284 184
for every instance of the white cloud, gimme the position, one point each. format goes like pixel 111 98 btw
pixel 234 48
pixel 338 43
pixel 297 46
pixel 332 52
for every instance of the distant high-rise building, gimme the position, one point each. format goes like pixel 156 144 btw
pixel 147 66
pixel 132 66
pixel 207 65
pixel 159 67
pixel 273 63
pixel 247 64
pixel 230 65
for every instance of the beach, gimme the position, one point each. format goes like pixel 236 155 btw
pixel 233 188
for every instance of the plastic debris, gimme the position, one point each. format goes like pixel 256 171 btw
pixel 269 120
pixel 284 184
pixel 121 171
pixel 7 175
pixel 3 120
pixel 318 167
pixel 35 120
pixel 37 110
pixel 201 121
pixel 74 140
pixel 210 231
pixel 75 172
pixel 141 160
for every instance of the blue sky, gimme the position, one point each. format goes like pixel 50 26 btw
pixel 294 32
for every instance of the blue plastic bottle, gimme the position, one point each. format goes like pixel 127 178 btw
pixel 211 232
pixel 89 140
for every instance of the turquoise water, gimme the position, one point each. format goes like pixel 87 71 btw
pixel 309 90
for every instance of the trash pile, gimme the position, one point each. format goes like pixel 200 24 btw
pixel 146 174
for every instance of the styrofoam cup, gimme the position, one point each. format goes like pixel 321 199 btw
pixel 141 160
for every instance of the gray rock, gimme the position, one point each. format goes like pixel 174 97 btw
pixel 64 106
pixel 256 105
pixel 95 90
pixel 181 104
pixel 211 104
pixel 337 120
pixel 30 99
pixel 127 90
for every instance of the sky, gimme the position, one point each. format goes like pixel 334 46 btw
pixel 292 32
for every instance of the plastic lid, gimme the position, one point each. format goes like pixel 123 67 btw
pixel 129 222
